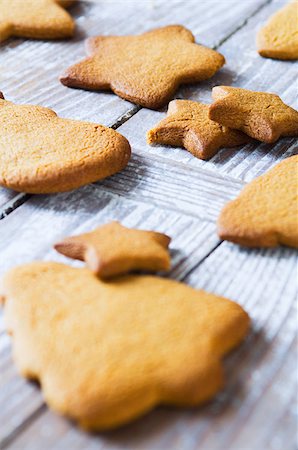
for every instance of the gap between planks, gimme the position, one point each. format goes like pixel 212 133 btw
pixel 21 198
pixel 242 24
pixel 27 422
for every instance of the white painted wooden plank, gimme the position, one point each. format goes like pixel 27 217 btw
pixel 244 68
pixel 254 410
pixel 192 191
pixel 19 399
pixel 29 70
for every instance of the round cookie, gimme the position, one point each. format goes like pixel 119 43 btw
pixel 42 153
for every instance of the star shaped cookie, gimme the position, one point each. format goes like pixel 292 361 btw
pixel 188 125
pixel 265 214
pixel 113 249
pixel 261 115
pixel 42 153
pixel 38 19
pixel 108 352
pixel 146 69
pixel 278 39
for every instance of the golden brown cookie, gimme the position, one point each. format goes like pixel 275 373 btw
pixel 37 19
pixel 187 125
pixel 261 115
pixel 108 352
pixel 146 69
pixel 278 39
pixel 113 249
pixel 42 153
pixel 266 212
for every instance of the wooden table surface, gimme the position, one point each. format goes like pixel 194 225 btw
pixel 171 191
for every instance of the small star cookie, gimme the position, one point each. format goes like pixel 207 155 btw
pixel 42 153
pixel 278 39
pixel 261 115
pixel 146 69
pixel 266 212
pixel 113 249
pixel 187 125
pixel 38 19
pixel 107 352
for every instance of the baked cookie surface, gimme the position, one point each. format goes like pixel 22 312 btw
pixel 113 249
pixel 146 69
pixel 188 125
pixel 265 214
pixel 38 19
pixel 107 352
pixel 278 39
pixel 42 153
pixel 261 115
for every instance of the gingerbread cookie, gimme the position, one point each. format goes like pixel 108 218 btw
pixel 113 249
pixel 261 115
pixel 108 352
pixel 42 153
pixel 278 39
pixel 266 212
pixel 187 125
pixel 145 69
pixel 37 19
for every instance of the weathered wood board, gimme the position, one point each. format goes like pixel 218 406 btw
pixel 167 190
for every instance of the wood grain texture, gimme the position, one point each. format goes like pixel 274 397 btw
pixel 18 398
pixel 38 64
pixel 193 191
pixel 246 69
